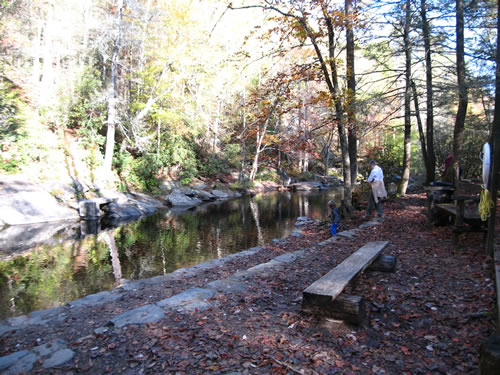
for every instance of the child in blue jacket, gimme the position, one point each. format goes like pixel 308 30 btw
pixel 334 217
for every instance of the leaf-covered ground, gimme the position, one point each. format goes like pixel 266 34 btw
pixel 429 317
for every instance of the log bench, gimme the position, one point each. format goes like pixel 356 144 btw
pixel 325 297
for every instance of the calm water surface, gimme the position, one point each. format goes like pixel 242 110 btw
pixel 52 275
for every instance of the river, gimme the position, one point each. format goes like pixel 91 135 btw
pixel 57 272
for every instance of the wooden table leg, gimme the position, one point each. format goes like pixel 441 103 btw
pixel 459 219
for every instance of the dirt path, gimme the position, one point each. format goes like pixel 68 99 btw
pixel 427 318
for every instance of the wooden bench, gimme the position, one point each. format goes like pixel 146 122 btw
pixel 324 295
pixel 464 220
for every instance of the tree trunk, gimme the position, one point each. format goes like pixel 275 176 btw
pixel 419 124
pixel 407 136
pixel 458 133
pixel 112 93
pixel 430 164
pixel 344 146
pixel 494 182
pixel 351 92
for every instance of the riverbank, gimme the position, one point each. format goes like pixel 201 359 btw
pixel 430 316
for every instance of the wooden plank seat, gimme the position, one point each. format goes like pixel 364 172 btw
pixel 451 209
pixel 325 297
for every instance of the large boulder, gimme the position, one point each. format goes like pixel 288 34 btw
pixel 24 203
pixel 220 194
pixel 122 211
pixel 307 185
pixel 205 195
pixel 178 198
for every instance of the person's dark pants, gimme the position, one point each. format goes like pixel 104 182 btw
pixel 333 229
pixel 372 205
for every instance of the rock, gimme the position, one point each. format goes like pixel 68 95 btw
pixel 9 360
pixel 306 186
pixel 205 195
pixel 58 358
pixel 199 186
pixel 79 188
pixel 167 185
pixel 189 300
pixel 122 211
pixel 88 210
pixel 144 314
pixel 227 286
pixel 49 348
pixel 346 233
pixel 25 203
pixel 101 330
pixel 22 365
pixel 95 299
pixel 177 198
pixel 219 194
pixel 286 258
pixel 4 328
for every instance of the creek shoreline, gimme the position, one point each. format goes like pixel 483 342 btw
pixel 31 215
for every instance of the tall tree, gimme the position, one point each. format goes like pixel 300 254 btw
pixel 113 90
pixel 407 100
pixel 430 154
pixel 351 91
pixel 458 132
pixel 301 17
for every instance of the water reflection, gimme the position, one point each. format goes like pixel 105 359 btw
pixel 64 268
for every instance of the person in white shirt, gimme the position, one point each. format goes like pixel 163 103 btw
pixel 376 180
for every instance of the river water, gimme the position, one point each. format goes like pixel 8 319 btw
pixel 51 275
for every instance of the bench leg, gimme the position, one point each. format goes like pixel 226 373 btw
pixel 384 263
pixel 345 307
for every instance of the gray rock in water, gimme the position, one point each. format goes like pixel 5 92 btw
pixel 178 198
pixel 58 358
pixel 122 211
pixel 205 195
pixel 144 314
pixel 220 194
pixel 306 186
